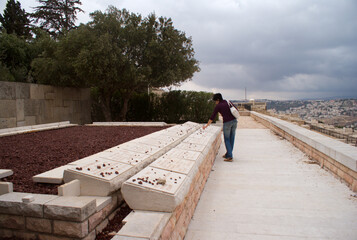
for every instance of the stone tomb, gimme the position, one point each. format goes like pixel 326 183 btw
pixel 164 183
pixel 99 176
pixel 103 173
pixel 154 189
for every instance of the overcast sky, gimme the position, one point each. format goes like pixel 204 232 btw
pixel 276 49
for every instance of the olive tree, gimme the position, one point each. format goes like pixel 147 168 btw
pixel 121 52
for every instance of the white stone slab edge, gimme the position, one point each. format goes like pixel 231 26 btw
pixel 5 173
pixel 34 128
pixel 136 225
pixel 72 188
pixel 339 151
pixel 146 124
pixel 6 187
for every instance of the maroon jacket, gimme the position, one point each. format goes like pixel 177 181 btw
pixel 223 108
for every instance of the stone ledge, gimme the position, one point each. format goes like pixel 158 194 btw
pixel 33 128
pixel 341 152
pixel 131 124
pixel 337 157
pixel 5 173
pixel 70 208
pixel 11 203
pixel 143 225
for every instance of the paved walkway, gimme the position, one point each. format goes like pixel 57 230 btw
pixel 271 191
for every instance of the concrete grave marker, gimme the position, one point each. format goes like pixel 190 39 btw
pixel 102 169
pixel 155 189
pixel 174 165
pixel 101 177
pixel 139 148
pixel 191 146
pixel 150 178
pixel 182 154
pixel 128 157
pixel 160 143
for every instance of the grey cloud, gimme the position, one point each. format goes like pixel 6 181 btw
pixel 291 49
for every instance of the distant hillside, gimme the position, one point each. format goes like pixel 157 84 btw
pixel 285 105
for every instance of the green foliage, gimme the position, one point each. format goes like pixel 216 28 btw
pixel 55 65
pixel 182 106
pixel 120 54
pixel 15 20
pixel 15 57
pixel 57 17
pixel 171 107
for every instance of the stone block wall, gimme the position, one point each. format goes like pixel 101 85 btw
pixel 25 104
pixel 177 225
pixel 55 217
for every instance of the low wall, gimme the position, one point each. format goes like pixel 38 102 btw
pixel 25 104
pixel 164 212
pixel 333 155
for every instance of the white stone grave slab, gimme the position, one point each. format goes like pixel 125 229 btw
pixel 155 189
pixel 192 124
pixel 5 173
pixel 177 131
pixel 54 176
pixel 191 146
pixel 205 140
pixel 140 148
pixel 99 178
pixel 175 165
pixel 102 169
pixel 128 157
pixel 91 159
pixel 159 143
pixel 182 154
pixel 161 135
pixel 143 225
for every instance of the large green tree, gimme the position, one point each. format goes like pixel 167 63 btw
pixel 15 20
pixel 57 17
pixel 16 55
pixel 120 52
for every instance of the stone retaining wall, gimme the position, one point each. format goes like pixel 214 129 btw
pixel 177 225
pixel 337 157
pixel 55 217
pixel 24 104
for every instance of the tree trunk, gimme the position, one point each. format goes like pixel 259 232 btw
pixel 105 104
pixel 124 109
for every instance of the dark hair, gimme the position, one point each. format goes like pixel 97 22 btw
pixel 218 97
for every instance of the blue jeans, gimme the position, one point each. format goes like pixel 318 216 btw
pixel 229 133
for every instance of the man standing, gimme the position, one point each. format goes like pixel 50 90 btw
pixel 229 124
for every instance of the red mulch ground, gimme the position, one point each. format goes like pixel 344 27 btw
pixel 32 153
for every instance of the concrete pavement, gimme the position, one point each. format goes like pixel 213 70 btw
pixel 271 191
